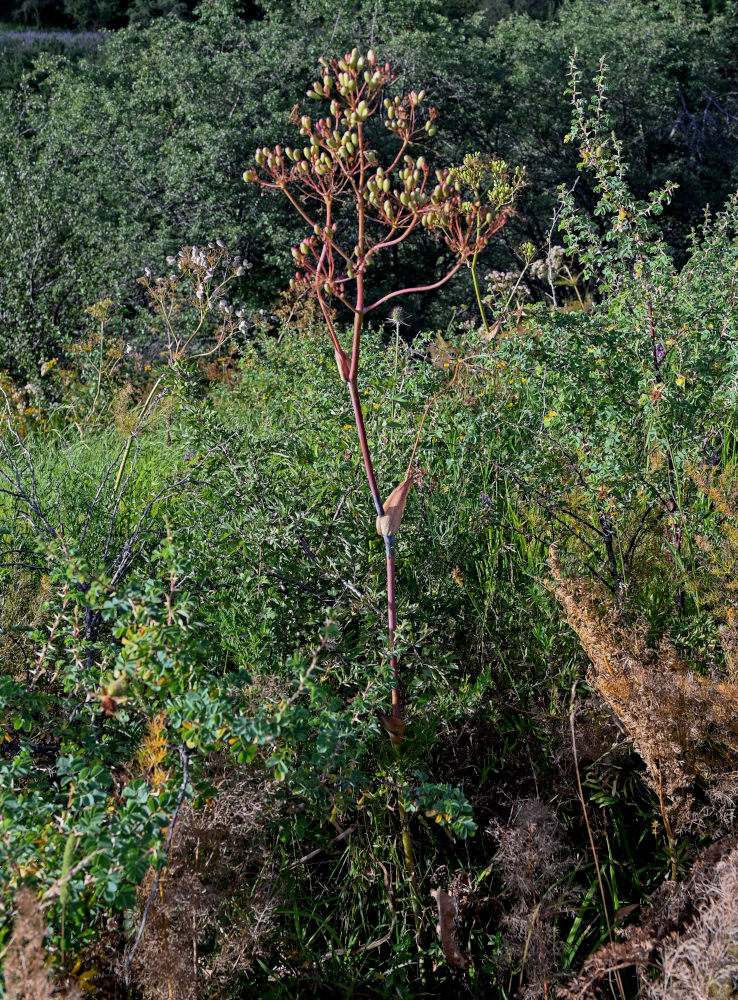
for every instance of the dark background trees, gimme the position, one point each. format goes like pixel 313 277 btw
pixel 114 156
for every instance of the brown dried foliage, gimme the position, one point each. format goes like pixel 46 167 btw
pixel 27 976
pixel 533 857
pixel 720 557
pixel 689 935
pixel 214 912
pixel 683 726
pixel 701 962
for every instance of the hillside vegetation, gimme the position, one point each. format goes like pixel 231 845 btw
pixel 369 503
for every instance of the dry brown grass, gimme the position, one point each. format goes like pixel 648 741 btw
pixel 215 910
pixel 685 946
pixel 533 857
pixel 26 968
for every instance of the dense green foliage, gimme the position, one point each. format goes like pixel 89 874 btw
pixel 110 164
pixel 197 793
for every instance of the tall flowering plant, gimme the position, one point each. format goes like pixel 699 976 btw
pixel 356 208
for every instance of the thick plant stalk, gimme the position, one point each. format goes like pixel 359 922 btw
pixel 478 293
pixel 389 542
pixel 338 173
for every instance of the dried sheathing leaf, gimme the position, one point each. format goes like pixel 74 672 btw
pixel 395 728
pixel 343 364
pixel 394 508
pixel 447 912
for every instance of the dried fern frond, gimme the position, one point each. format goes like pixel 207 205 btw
pixel 683 726
pixel 153 751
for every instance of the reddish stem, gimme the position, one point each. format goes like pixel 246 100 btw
pixel 364 445
pixel 392 625
pixel 417 288
pixel 388 541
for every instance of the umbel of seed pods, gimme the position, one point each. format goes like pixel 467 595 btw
pixel 355 208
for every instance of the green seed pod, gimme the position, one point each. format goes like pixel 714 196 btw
pixel 388 208
pixel 350 148
pixel 404 198
pixel 386 185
